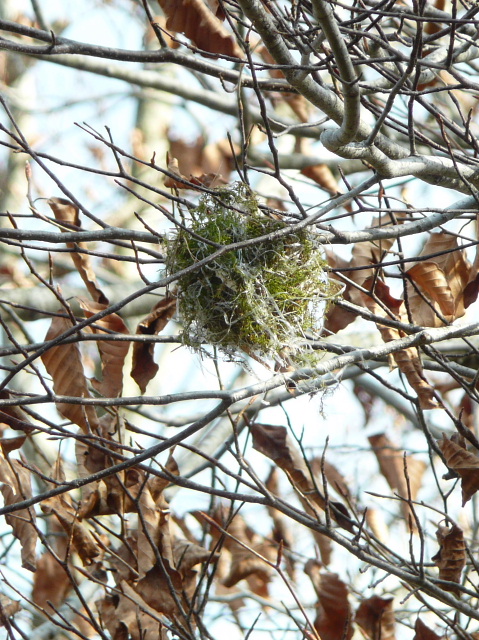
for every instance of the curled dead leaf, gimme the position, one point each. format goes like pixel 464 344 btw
pixel 392 466
pixel 51 583
pixel 188 554
pixel 16 486
pixel 68 213
pixel 144 368
pixel 275 443
pixel 8 608
pixel 464 463
pixel 423 632
pixel 441 282
pixel 162 589
pixel 127 615
pixel 451 557
pixel 334 618
pixel 64 364
pixel 375 616
pixel 112 352
pixel 407 360
pixel 201 25
pixel 77 532
pixel 250 553
pixel 12 444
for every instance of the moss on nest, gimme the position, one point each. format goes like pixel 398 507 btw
pixel 260 299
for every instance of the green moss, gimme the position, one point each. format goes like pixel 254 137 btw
pixel 259 299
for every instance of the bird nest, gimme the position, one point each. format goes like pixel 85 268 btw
pixel 258 298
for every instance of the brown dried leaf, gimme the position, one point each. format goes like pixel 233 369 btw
pixel 112 352
pixel 208 180
pixel 364 254
pixel 51 583
pixel 376 523
pixel 409 363
pixel 243 545
pixel 15 488
pixel 423 632
pixel 391 464
pixel 441 280
pixel 464 463
pixel 247 565
pixel 383 294
pixel 406 359
pixel 433 282
pixel 373 252
pixel 333 619
pixel 79 535
pixel 156 484
pixel 430 28
pixel 201 25
pixel 144 368
pixel 64 365
pixel 471 292
pixel 275 443
pixel 214 160
pixel 188 554
pixel 322 175
pixel 451 557
pixel 333 476
pixel 68 213
pixel 337 318
pixel 8 608
pixel 162 589
pixel 375 616
pixel 12 444
pixel 126 616
pixel 297 103
pixel 153 529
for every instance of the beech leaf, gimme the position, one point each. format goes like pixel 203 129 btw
pixel 66 212
pixel 423 632
pixel 195 19
pixel 8 608
pixel 16 487
pixel 112 352
pixel 337 318
pixel 245 547
pixel 333 619
pixel 391 464
pixel 442 282
pixel 77 532
pixel 127 615
pixel 451 557
pixel 375 616
pixel 162 589
pixel 275 443
pixel 51 583
pixel 406 359
pixel 144 368
pixel 64 364
pixel 464 463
